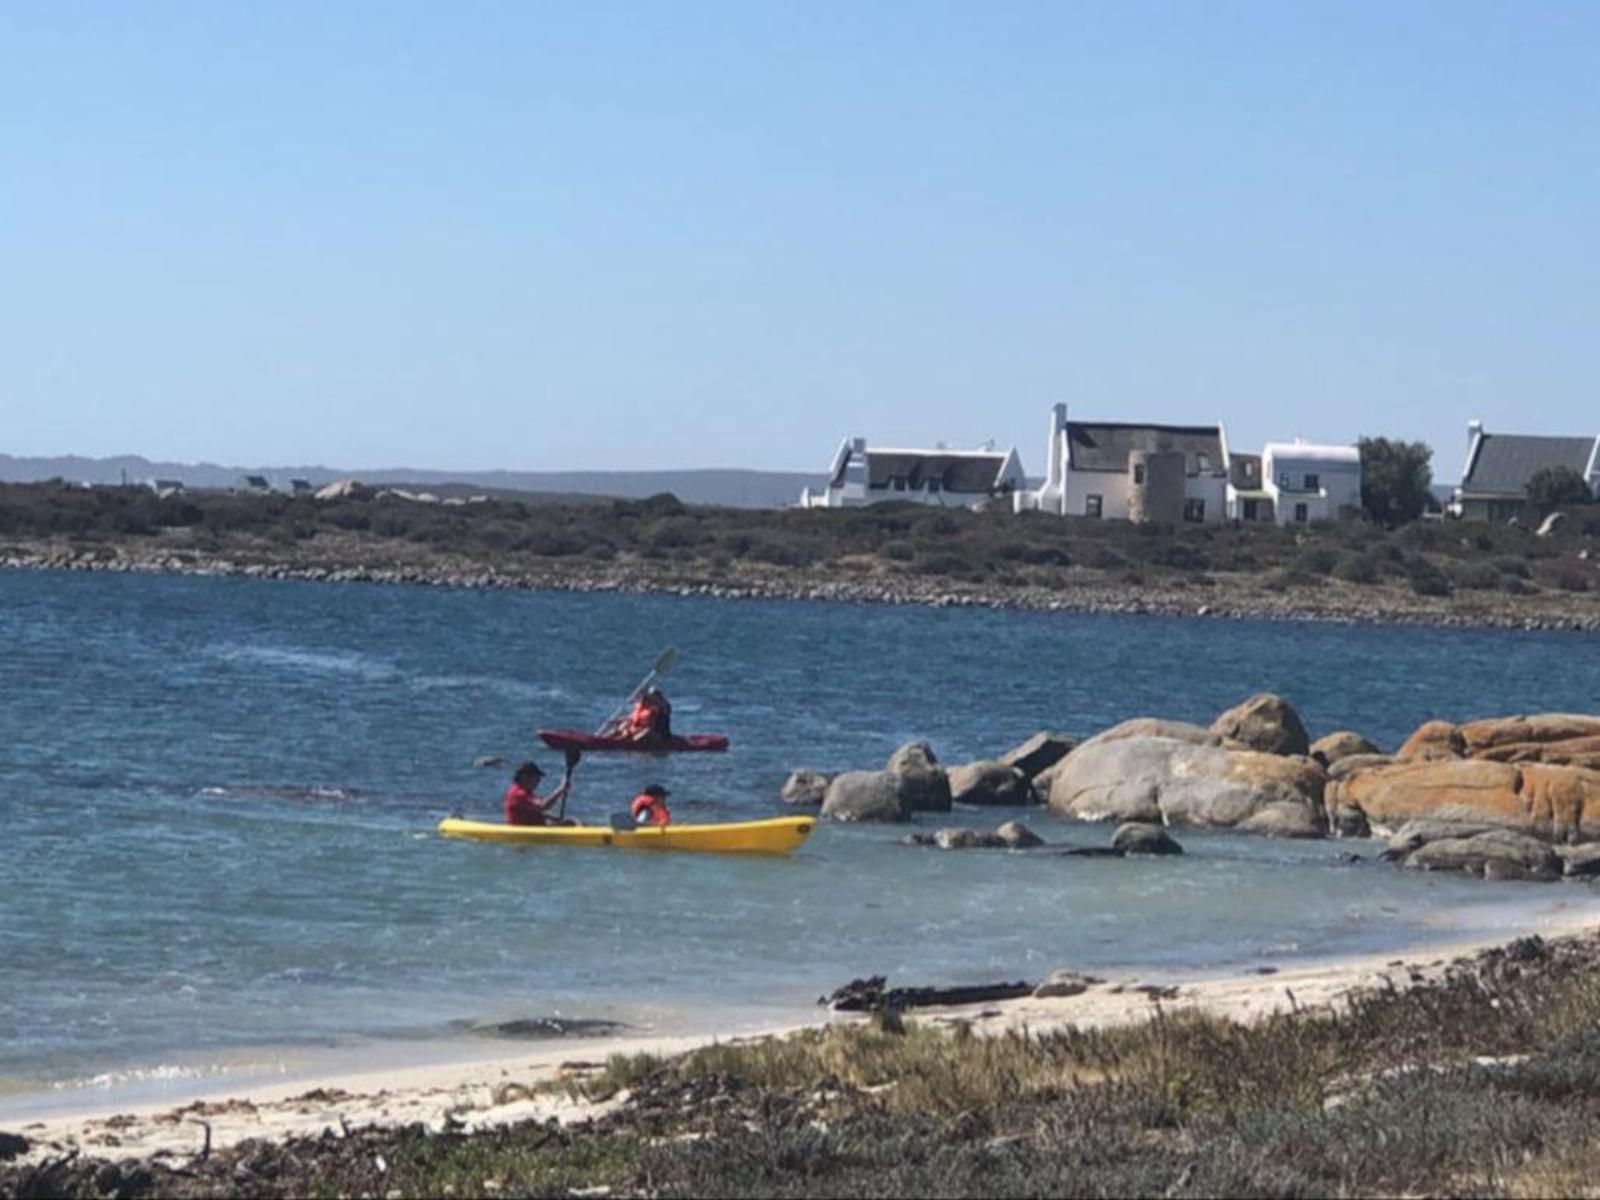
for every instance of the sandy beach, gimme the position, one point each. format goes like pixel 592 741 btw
pixel 486 1092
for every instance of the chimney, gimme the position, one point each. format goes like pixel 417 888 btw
pixel 1474 430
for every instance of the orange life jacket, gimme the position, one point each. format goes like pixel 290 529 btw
pixel 654 806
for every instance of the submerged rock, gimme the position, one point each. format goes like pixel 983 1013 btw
pixel 1065 983
pixel 990 783
pixel 1498 854
pixel 864 796
pixel 805 788
pixel 1039 753
pixel 1014 835
pixel 1350 822
pixel 1285 819
pixel 920 780
pixel 1139 837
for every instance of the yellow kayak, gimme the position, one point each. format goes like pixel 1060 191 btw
pixel 775 835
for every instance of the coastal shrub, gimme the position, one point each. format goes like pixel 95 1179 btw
pixel 1288 578
pixel 781 554
pixel 1568 577
pixel 899 551
pixel 672 533
pixel 1359 568
pixel 936 527
pixel 1316 560
pixel 1426 578
pixel 939 562
pixel 1516 586
pixel 1104 558
pixel 1475 575
pixel 1180 556
pixel 1513 566
pixel 558 543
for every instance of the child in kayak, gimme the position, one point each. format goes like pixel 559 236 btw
pixel 651 717
pixel 649 807
pixel 522 803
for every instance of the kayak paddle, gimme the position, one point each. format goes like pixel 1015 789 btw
pixel 662 664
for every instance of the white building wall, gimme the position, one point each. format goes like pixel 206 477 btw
pixel 1112 488
pixel 1213 489
pixel 1338 475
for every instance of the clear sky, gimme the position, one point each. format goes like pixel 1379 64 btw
pixel 673 234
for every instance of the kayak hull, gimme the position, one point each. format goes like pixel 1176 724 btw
pixel 776 835
pixel 577 739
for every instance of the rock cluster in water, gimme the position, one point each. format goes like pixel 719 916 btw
pixel 1503 798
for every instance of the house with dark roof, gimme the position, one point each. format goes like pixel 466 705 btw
pixel 1127 471
pixel 1494 482
pixel 863 474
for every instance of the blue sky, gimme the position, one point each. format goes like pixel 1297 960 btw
pixel 541 236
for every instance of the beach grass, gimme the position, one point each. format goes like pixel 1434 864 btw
pixel 1481 1080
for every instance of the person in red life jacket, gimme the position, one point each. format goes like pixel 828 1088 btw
pixel 524 806
pixel 651 717
pixel 649 807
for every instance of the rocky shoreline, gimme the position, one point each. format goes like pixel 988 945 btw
pixel 1507 798
pixel 1227 597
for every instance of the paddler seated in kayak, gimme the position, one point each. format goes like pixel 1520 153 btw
pixel 649 807
pixel 651 718
pixel 524 806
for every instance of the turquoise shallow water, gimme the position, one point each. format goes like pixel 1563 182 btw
pixel 218 798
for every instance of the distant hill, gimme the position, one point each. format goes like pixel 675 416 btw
pixel 727 486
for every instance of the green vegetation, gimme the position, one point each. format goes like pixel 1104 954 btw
pixel 1483 1082
pixel 661 541
pixel 1395 478
pixel 1551 488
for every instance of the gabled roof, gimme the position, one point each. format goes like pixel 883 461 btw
pixel 974 472
pixel 1504 462
pixel 1105 445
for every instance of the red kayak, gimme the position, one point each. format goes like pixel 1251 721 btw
pixel 577 739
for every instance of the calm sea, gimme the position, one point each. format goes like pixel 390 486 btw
pixel 217 800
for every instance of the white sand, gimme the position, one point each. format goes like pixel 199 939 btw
pixel 482 1094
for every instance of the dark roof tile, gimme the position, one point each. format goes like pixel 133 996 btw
pixel 1506 461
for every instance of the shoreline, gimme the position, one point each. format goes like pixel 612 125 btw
pixel 1224 597
pixel 487 1091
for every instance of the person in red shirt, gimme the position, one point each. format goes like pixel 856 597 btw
pixel 649 807
pixel 523 804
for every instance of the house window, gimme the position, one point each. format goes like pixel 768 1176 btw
pixel 933 486
pixel 1202 463
pixel 1300 514
pixel 1313 482
pixel 898 483
pixel 1138 472
pixel 1091 506
pixel 1249 470
pixel 1194 510
pixel 1252 510
pixel 1283 479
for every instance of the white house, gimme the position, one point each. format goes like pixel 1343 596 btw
pixel 1123 471
pixel 1293 483
pixel 863 474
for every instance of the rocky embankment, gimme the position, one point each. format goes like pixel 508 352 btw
pixel 349 558
pixel 1505 798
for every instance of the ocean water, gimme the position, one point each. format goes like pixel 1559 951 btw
pixel 218 796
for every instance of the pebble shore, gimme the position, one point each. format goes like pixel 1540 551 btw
pixel 1225 597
